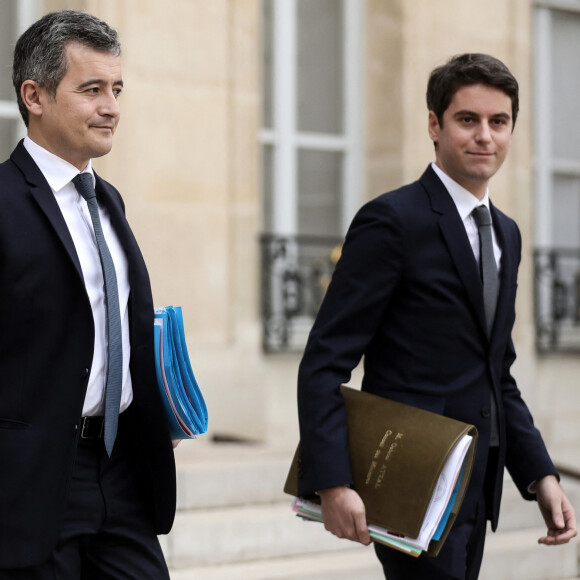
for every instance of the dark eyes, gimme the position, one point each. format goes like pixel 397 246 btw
pixel 96 90
pixel 500 122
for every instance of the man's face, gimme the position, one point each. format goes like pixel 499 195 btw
pixel 78 123
pixel 475 136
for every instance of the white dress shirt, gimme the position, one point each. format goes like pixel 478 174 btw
pixel 59 174
pixel 466 202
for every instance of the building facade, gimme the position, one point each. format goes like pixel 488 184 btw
pixel 251 132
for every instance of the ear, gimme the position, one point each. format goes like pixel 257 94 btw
pixel 434 127
pixel 33 97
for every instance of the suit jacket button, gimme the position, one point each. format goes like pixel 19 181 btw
pixel 485 412
pixel 86 373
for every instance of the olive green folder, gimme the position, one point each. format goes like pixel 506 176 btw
pixel 397 453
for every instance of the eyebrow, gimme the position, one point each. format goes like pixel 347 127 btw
pixel 474 114
pixel 101 82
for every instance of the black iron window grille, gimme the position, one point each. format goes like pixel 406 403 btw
pixel 296 271
pixel 557 299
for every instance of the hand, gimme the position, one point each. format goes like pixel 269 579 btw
pixel 343 513
pixel 556 510
pixel 175 442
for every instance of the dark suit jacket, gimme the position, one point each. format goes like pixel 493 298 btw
pixel 407 295
pixel 46 350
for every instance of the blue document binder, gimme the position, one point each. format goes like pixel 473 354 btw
pixel 184 404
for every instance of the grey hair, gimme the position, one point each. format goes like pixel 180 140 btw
pixel 40 53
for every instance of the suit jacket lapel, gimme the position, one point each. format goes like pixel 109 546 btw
pixel 140 299
pixel 44 197
pixel 508 266
pixel 457 242
pixel 107 196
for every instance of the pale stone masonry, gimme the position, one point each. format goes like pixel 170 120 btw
pixel 187 160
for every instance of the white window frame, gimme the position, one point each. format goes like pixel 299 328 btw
pixel 546 165
pixel 284 136
pixel 27 12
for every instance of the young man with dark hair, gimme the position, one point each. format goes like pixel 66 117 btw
pixel 88 474
pixel 431 305
pixel 470 69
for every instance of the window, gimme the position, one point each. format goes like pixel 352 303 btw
pixel 557 173
pixel 311 153
pixel 16 16
pixel 311 114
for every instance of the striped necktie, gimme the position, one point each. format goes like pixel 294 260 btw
pixel 113 386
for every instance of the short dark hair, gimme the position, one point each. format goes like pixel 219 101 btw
pixel 40 53
pixel 469 69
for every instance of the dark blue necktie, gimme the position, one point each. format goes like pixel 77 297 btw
pixel 84 185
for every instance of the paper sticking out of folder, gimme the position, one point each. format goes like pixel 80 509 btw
pixel 438 512
pixel 183 402
pixel 411 468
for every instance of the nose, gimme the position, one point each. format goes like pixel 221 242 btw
pixel 109 104
pixel 483 132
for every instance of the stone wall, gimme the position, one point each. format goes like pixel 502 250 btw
pixel 187 160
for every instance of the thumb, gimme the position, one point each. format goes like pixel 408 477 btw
pixel 362 529
pixel 558 517
pixel 555 516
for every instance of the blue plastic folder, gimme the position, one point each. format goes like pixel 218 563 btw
pixel 182 399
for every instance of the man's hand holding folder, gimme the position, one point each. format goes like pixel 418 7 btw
pixel 344 514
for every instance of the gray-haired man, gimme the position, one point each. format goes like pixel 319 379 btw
pixel 88 474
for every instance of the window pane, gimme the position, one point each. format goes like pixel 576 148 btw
pixel 566 212
pixel 10 136
pixel 566 74
pixel 267 186
pixel 7 32
pixel 267 63
pixel 320 64
pixel 319 192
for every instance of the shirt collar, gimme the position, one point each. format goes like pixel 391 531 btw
pixel 56 171
pixel 464 200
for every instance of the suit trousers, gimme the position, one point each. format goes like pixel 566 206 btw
pixel 107 533
pixel 461 555
pixel 459 559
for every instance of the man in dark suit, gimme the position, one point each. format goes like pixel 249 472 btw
pixel 84 491
pixel 408 294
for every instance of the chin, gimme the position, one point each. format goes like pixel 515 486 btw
pixel 97 152
pixel 482 174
